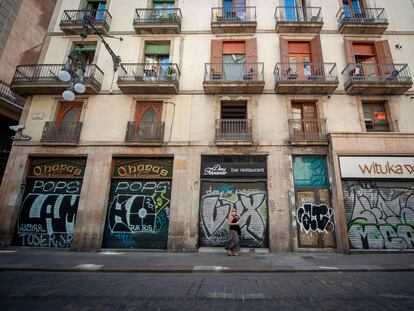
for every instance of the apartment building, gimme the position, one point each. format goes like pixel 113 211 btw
pixel 298 113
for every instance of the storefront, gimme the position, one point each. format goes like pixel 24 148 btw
pixel 233 181
pixel 139 203
pixel 50 202
pixel 378 195
pixel 314 213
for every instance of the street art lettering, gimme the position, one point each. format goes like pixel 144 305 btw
pixel 48 213
pixel 315 218
pixel 380 215
pixel 138 214
pixel 216 202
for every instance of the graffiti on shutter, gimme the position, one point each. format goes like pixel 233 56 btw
pixel 48 213
pixel 138 214
pixel 217 199
pixel 380 215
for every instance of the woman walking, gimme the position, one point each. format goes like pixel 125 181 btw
pixel 233 241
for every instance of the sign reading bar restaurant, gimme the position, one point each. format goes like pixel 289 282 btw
pixel 377 167
pixel 57 167
pixel 219 169
pixel 143 168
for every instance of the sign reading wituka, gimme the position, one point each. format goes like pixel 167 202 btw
pixel 377 167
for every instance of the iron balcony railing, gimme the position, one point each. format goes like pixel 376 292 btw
pixel 158 16
pixel 46 73
pixel 145 131
pixel 149 73
pixel 62 131
pixel 324 72
pixel 377 126
pixel 8 95
pixel 76 17
pixel 234 129
pixel 377 73
pixel 307 129
pixel 231 72
pixel 296 14
pixel 361 15
pixel 240 14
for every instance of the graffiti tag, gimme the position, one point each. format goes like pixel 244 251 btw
pixel 315 218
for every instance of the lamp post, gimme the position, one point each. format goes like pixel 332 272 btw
pixel 75 68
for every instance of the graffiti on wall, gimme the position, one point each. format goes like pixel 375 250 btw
pixel 138 214
pixel 315 218
pixel 379 215
pixel 48 212
pixel 216 202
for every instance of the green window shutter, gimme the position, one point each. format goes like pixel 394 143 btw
pixel 86 48
pixel 157 49
pixel 164 1
pixel 310 172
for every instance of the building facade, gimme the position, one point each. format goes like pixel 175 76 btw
pixel 298 113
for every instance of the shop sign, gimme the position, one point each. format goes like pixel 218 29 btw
pixel 225 170
pixel 377 167
pixel 57 167
pixel 143 168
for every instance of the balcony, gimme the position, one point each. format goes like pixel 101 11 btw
pixel 72 21
pixel 305 78
pixel 377 79
pixel 157 21
pixel 234 132
pixel 10 98
pixel 231 78
pixel 43 80
pixel 307 131
pixel 233 20
pixel 298 19
pixel 62 132
pixel 362 20
pixel 149 78
pixel 145 132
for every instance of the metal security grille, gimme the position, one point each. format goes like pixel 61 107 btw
pixel 217 199
pixel 379 215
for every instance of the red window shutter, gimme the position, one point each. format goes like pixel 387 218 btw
pixel 284 55
pixel 317 58
pixel 349 52
pixel 383 50
pixel 251 58
pixel 216 56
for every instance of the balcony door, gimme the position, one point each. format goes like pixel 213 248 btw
pixel 163 8
pixel 305 122
pixel 234 60
pixel 157 59
pixel 148 121
pixel 97 7
pixel 234 10
pixel 353 8
pixel 300 57
pixel 67 120
pixel 295 10
pixel 233 123
pixel 366 60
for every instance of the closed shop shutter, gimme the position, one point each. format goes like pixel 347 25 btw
pixel 217 199
pixel 50 202
pixel 379 214
pixel 139 204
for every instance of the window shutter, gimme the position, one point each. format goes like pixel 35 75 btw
pixel 251 58
pixel 284 55
pixel 349 52
pixel 216 55
pixel 317 58
pixel 384 57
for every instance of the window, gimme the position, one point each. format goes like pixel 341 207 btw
pixel 148 120
pixel 157 58
pixel 375 117
pixel 88 50
pixel 233 109
pixel 353 8
pixel 97 6
pixel 234 10
pixel 163 8
pixel 233 60
pixel 295 10
pixel 233 123
pixel 300 57
pixel 305 123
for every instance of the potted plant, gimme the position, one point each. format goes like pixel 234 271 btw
pixel 171 73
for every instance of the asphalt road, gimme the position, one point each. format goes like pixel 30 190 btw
pixel 212 291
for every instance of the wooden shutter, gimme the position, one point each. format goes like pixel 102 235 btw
pixel 349 52
pixel 65 107
pixel 384 57
pixel 284 56
pixel 251 58
pixel 141 108
pixel 216 55
pixel 317 58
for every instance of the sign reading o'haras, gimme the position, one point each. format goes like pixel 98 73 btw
pixel 57 167
pixel 142 168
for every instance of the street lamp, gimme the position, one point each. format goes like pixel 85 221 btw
pixel 74 69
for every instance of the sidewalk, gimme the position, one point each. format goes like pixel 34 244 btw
pixel 140 261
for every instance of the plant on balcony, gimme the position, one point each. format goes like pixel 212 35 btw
pixel 171 73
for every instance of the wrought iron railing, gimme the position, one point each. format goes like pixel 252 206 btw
pixel 76 17
pixel 298 14
pixel 324 72
pixel 377 126
pixel 62 131
pixel 234 129
pixel 231 72
pixel 361 15
pixel 158 16
pixel 145 131
pixel 46 73
pixel 377 73
pixel 307 129
pixel 149 73
pixel 240 14
pixel 8 95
